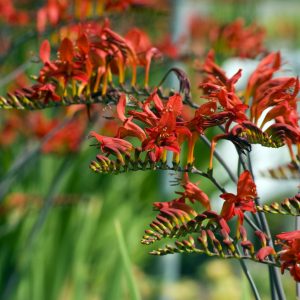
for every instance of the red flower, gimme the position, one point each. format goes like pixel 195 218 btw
pixel 232 39
pixel 113 146
pixel 274 92
pixel 242 201
pixel 219 88
pixel 213 73
pixel 168 47
pixel 129 128
pixel 147 116
pixel 65 68
pixel 193 193
pixel 289 236
pixel 290 253
pixel 142 45
pixel 124 4
pixel 10 128
pixel 167 134
pixel 263 252
pixel 67 139
pixel 264 72
pixel 246 42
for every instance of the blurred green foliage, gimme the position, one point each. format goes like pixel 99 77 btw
pixel 71 250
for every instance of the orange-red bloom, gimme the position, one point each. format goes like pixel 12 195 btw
pixel 113 146
pixel 290 253
pixel 193 193
pixel 167 134
pixel 263 252
pixel 264 72
pixel 236 205
pixel 129 128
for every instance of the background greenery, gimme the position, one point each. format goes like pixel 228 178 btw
pixel 66 233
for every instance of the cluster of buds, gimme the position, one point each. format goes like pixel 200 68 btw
pixel 177 212
pixel 177 219
pixel 289 206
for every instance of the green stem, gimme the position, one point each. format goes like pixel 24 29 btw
pixel 274 273
pixel 250 280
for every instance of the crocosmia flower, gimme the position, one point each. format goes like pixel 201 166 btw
pixel 236 205
pixel 290 254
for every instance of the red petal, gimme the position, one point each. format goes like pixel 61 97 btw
pixel 83 44
pixel 227 210
pixel 175 104
pixel 121 107
pixel 246 187
pixel 45 51
pixel 264 252
pixel 97 136
pixel 206 109
pixel 66 50
pixel 41 20
pixel 291 235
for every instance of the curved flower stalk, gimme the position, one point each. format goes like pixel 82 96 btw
pixel 289 206
pixel 207 232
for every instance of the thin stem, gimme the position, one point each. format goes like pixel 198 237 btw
pixel 210 177
pixel 241 159
pixel 220 159
pixel 274 273
pixel 250 280
pixel 251 223
pixel 239 167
